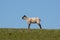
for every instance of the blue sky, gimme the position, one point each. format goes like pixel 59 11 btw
pixel 11 12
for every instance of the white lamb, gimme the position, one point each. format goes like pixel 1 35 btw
pixel 32 20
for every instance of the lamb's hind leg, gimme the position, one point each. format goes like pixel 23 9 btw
pixel 40 26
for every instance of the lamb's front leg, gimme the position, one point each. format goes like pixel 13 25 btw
pixel 28 26
pixel 40 26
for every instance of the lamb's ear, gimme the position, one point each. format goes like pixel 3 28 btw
pixel 25 16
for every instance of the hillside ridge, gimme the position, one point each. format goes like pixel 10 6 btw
pixel 32 34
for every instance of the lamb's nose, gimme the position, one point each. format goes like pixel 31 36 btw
pixel 22 17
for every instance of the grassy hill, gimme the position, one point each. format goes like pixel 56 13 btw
pixel 32 34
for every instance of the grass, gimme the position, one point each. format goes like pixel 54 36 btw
pixel 32 34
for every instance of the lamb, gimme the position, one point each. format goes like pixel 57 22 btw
pixel 32 20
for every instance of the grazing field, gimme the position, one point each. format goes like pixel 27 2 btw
pixel 32 34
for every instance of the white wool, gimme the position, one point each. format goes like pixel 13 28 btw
pixel 33 20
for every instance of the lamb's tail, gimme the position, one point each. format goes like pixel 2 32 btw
pixel 39 19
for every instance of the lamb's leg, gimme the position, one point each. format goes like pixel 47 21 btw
pixel 28 26
pixel 40 26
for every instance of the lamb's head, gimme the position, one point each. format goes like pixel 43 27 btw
pixel 24 17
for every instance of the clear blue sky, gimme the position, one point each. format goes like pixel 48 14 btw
pixel 11 12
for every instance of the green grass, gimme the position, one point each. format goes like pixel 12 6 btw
pixel 32 34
